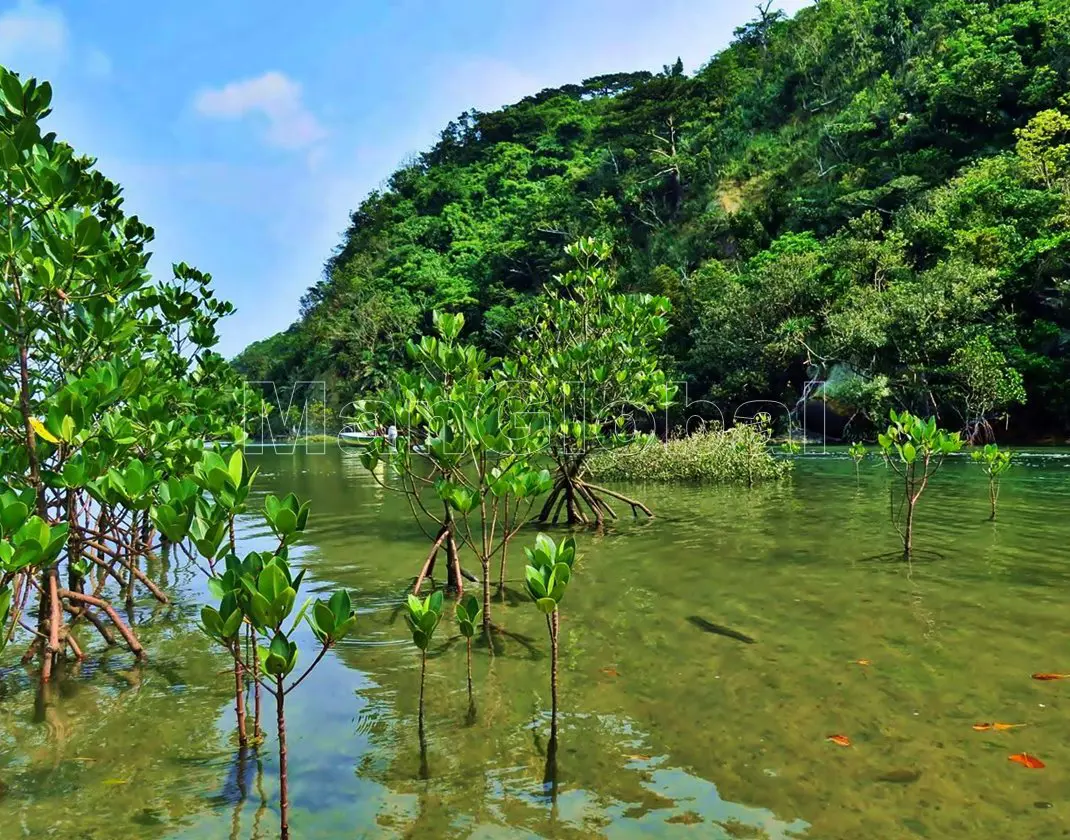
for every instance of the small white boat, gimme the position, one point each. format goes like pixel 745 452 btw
pixel 356 438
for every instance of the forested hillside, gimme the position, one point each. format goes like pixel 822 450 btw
pixel 874 193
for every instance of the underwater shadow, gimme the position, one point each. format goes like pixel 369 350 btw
pixel 916 556
pixel 719 629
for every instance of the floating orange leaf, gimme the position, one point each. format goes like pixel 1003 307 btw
pixel 610 672
pixel 999 727
pixel 841 740
pixel 1027 760
pixel 638 757
pixel 1051 676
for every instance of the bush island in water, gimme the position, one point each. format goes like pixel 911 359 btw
pixel 739 455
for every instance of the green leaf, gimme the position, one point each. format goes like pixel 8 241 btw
pixel 546 605
pixel 323 619
pixel 535 582
pixel 341 605
pixel 86 233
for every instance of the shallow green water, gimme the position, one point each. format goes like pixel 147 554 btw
pixel 668 730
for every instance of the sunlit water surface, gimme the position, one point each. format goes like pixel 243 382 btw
pixel 668 729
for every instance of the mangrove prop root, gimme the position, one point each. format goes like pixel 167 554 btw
pixel 92 618
pixel 455 566
pixel 77 651
pixel 55 619
pixel 131 566
pixel 635 504
pixel 120 625
pixel 429 563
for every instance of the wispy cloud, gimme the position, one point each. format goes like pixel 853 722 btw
pixel 273 97
pixel 33 38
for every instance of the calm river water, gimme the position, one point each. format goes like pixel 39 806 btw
pixel 668 729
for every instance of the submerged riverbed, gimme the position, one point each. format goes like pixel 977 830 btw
pixel 673 725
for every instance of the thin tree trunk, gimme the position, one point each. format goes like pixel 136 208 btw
pixel 423 672
pixel 552 621
pixel 908 530
pixel 485 561
pixel 51 606
pixel 284 800
pixel 469 652
pixel 239 694
pixel 258 731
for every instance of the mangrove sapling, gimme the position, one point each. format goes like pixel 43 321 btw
pixel 475 443
pixel 914 449
pixel 423 617
pixel 547 575
pixel 469 615
pixel 857 451
pixel 590 358
pixel 260 592
pixel 265 598
pixel 994 461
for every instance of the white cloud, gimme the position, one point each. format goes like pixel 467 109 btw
pixel 273 96
pixel 33 38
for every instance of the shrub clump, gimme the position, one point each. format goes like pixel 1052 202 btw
pixel 739 455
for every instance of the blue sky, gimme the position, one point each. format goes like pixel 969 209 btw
pixel 246 132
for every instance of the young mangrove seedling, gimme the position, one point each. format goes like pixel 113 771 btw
pixel 914 449
pixel 261 591
pixel 857 451
pixel 423 617
pixel 547 576
pixel 994 461
pixel 469 616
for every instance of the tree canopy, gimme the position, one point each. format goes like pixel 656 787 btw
pixel 873 194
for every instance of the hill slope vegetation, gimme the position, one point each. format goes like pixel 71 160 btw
pixel 874 194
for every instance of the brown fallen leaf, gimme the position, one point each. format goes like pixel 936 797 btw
pixel 841 740
pixel 863 662
pixel 998 727
pixel 1051 676
pixel 610 672
pixel 1027 760
pixel 638 757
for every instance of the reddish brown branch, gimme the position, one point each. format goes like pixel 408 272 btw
pixel 120 625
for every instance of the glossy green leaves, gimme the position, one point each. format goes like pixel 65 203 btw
pixel 993 460
pixel 25 538
pixel 334 619
pixel 909 439
pixel 279 658
pixel 469 616
pixel 549 571
pixel 287 518
pixel 423 617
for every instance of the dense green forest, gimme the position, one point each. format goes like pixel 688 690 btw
pixel 874 194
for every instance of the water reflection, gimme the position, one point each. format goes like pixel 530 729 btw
pixel 705 656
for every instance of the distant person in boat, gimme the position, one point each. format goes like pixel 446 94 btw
pixel 392 434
